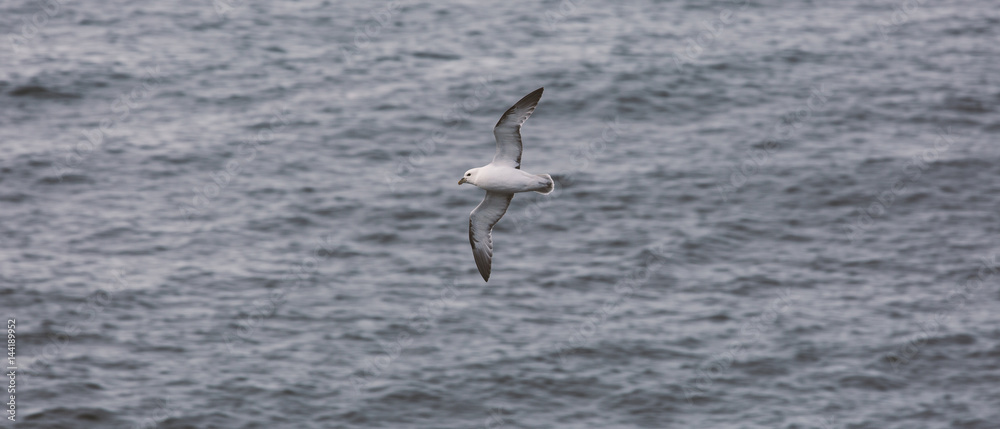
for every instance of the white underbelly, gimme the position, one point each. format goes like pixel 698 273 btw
pixel 508 180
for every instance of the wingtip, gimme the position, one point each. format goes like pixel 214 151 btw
pixel 528 103
pixel 532 97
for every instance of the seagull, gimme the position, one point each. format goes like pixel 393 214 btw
pixel 501 179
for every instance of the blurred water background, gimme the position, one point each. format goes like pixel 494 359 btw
pixel 243 214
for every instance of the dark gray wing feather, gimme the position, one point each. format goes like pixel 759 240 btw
pixel 508 130
pixel 481 222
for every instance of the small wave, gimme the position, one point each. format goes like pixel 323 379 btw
pixel 966 105
pixel 436 55
pixel 16 197
pixel 40 92
pixel 871 382
pixel 379 238
pixel 75 178
pixel 71 418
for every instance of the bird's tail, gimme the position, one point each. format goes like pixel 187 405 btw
pixel 547 184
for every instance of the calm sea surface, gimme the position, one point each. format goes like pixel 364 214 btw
pixel 243 214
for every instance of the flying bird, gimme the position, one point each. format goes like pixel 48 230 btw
pixel 501 179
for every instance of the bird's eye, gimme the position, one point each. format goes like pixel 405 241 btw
pixel 468 174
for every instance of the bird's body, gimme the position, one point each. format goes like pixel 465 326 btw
pixel 508 180
pixel 501 179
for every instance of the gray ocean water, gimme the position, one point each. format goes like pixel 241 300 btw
pixel 243 214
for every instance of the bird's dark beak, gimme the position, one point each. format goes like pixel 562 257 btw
pixel 461 181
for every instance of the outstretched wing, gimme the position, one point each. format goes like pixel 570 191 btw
pixel 508 130
pixel 481 222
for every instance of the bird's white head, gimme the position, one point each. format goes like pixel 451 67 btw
pixel 469 177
